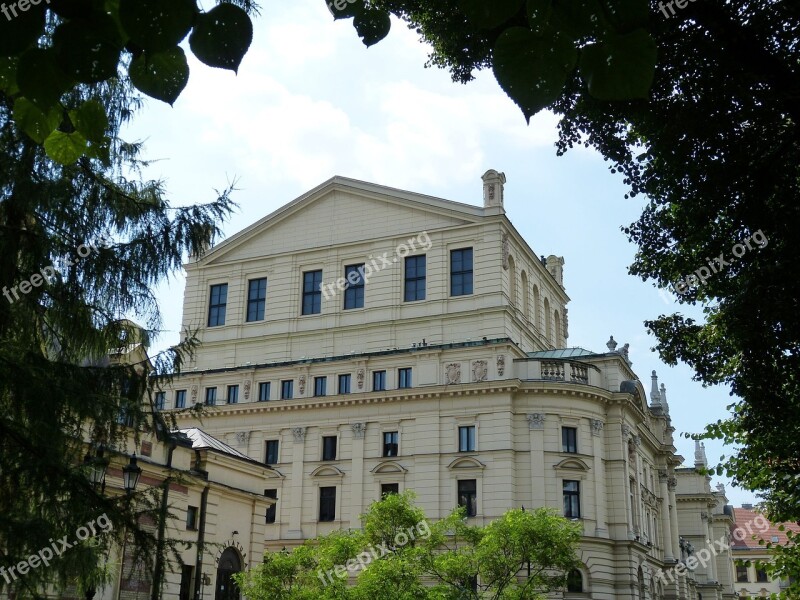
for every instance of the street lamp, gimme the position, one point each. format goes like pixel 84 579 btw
pixel 96 467
pixel 130 475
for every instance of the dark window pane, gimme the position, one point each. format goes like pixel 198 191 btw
pixel 329 447
pixel 575 581
pixel 344 384
pixel 263 391
pixel 327 503
pixel 391 443
pixel 468 496
pixel 191 517
pixel 389 488
pixel 466 439
pixel 272 511
pixel 287 389
pixel 180 399
pixel 378 381
pixel 233 394
pixel 272 452
pixel 312 292
pixel 415 278
pixel 404 378
pixel 320 386
pixel 161 400
pixel 354 289
pixel 217 305
pixel 461 272
pixel 256 299
pixel 572 499
pixel 211 396
pixel 569 439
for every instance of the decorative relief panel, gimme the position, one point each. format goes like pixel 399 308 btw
pixel 453 373
pixel 479 370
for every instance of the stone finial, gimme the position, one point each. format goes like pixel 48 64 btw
pixel 611 344
pixel 700 459
pixel 663 395
pixel 655 397
pixel 493 183
pixel 555 264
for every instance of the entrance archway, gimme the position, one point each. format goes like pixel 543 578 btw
pixel 229 563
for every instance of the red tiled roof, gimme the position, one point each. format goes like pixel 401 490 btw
pixel 750 523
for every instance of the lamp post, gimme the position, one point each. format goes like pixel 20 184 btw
pixel 130 475
pixel 96 467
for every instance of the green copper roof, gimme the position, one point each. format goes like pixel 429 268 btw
pixel 562 353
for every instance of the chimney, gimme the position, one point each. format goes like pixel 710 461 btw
pixel 493 183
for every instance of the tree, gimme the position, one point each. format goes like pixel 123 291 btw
pixel 81 248
pixel 400 555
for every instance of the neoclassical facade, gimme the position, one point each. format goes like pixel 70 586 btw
pixel 362 340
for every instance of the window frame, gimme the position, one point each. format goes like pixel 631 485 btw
pixel 395 489
pixel 470 443
pixel 191 524
pixel 180 398
pixel 287 383
pixel 404 378
pixel 348 378
pixel 742 571
pixel 387 445
pixel 160 400
pixel 321 382
pixel 380 374
pixel 419 281
pixel 465 276
pixel 327 503
pixel 264 385
pixel 311 300
pixel 472 511
pixel 218 308
pixel 211 394
pixel 569 439
pixel 574 498
pixel 271 515
pixel 327 441
pixel 232 394
pixel 354 293
pixel 277 446
pixel 259 302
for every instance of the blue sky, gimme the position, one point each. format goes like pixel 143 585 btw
pixel 310 102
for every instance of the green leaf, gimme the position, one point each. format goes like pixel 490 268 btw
pixel 65 148
pixel 19 29
pixel 622 67
pixel 156 25
pixel 40 79
pixel 222 37
pixel 8 75
pixel 86 50
pixel 580 18
pixel 91 120
pixel 627 15
pixel 533 69
pixel 490 14
pixel 37 124
pixel 162 75
pixel 345 9
pixel 372 25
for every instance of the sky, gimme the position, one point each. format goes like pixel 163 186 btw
pixel 310 101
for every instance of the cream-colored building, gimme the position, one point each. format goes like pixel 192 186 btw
pixel 362 340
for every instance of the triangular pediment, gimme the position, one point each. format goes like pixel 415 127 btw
pixel 342 212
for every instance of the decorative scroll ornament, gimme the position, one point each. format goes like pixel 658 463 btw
pixel 302 384
pixel 247 390
pixel 360 378
pixel 358 430
pixel 501 364
pixel 453 373
pixel 299 433
pixel 479 371
pixel 597 427
pixel 536 421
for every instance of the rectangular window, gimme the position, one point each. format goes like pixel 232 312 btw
pixel 327 504
pixel 272 511
pixel 287 389
pixel 389 488
pixel 461 272
pixel 329 447
pixel 320 386
pixel 761 576
pixel 404 378
pixel 233 394
pixel 415 278
pixel 572 499
pixel 161 400
pixel 256 299
pixel 378 381
pixel 312 292
pixel 180 399
pixel 217 304
pixel 263 391
pixel 187 577
pixel 391 444
pixel 344 384
pixel 191 518
pixel 354 289
pixel 468 496
pixel 741 574
pixel 466 439
pixel 569 439
pixel 211 396
pixel 272 452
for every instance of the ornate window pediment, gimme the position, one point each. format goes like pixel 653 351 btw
pixel 327 471
pixel 389 467
pixel 466 462
pixel 572 464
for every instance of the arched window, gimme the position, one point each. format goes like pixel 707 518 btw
pixel 557 321
pixel 641 584
pixel 512 281
pixel 537 322
pixel 575 581
pixel 526 300
pixel 548 317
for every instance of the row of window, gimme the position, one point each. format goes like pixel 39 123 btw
pixel 743 575
pixel 390 446
pixel 414 288
pixel 404 381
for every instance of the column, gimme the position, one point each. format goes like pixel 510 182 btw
pixel 637 440
pixel 357 486
pixel 536 431
pixel 666 523
pixel 712 565
pixel 626 481
pixel 296 507
pixel 600 498
pixel 672 483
